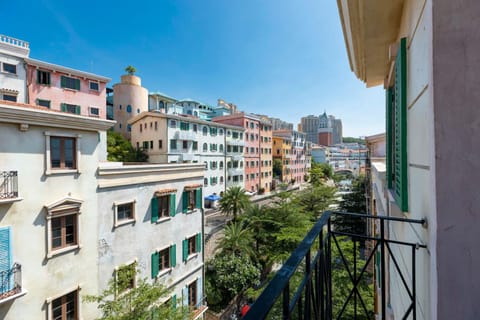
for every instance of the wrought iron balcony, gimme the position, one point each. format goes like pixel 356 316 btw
pixel 8 186
pixel 11 283
pixel 304 288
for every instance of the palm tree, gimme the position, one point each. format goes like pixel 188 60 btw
pixel 130 70
pixel 234 201
pixel 237 240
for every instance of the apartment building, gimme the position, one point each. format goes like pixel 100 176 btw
pixel 12 69
pixel 297 160
pixel 255 129
pixel 425 53
pixel 139 202
pixel 169 138
pixel 282 148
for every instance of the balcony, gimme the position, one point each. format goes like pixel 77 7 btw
pixel 185 135
pixel 9 187
pixel 303 287
pixel 11 284
pixel 235 171
pixel 235 142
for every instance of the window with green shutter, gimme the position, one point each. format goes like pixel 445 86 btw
pixel 396 105
pixel 70 83
pixel 155 264
pixel 184 250
pixel 173 205
pixel 70 108
pixel 198 240
pixel 198 198
pixel 173 144
pixel 43 77
pixel 173 255
pixel 154 209
pixel 184 126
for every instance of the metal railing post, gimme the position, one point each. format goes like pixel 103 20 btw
pixel 382 266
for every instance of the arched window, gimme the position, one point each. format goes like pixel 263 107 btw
pixel 195 113
pixel 229 164
pixel 220 132
pixel 161 104
pixel 205 130
pixel 138 110
pixel 205 182
pixel 205 147
pixel 221 148
pixel 221 179
pixel 129 108
pixel 120 107
pixel 221 164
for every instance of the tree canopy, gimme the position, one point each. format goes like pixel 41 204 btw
pixel 130 70
pixel 234 201
pixel 120 149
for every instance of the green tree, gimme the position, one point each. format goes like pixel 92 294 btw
pixel 319 172
pixel 119 302
pixel 130 70
pixel 315 199
pixel 277 168
pixel 120 149
pixel 354 202
pixel 234 201
pixel 237 240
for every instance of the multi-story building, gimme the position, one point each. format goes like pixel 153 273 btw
pixel 309 125
pixel 295 160
pixel 337 130
pixel 282 151
pixel 425 55
pixel 129 99
pixel 323 130
pixel 266 164
pixel 254 129
pixel 12 69
pixel 137 203
pixel 65 89
pixel 161 102
pixel 169 138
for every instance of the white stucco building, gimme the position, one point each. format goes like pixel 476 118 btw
pixel 169 138
pixel 12 69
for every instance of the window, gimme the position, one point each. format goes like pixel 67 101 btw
pixel 184 126
pixel 192 245
pixel 124 212
pixel 164 260
pixel 65 307
pixel 145 145
pixel 43 103
pixel 205 182
pixel 163 206
pixel 43 77
pixel 125 277
pixel 70 108
pixel 397 166
pixel 94 111
pixel 205 131
pixel 9 97
pixel 192 294
pixel 194 145
pixel 129 108
pixel 95 86
pixel 70 83
pixel 64 231
pixel 185 144
pixel 160 144
pixel 194 128
pixel 205 147
pixel 173 123
pixel 221 148
pixel 9 68
pixel 221 164
pixel 220 132
pixel 192 199
pixel 221 179
pixel 63 153
pixel 173 144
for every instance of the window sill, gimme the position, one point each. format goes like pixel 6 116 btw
pixel 161 273
pixel 10 73
pixel 124 222
pixel 69 89
pixel 51 172
pixel 192 256
pixel 54 253
pixel 163 219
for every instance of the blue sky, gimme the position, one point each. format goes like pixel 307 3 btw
pixel 283 58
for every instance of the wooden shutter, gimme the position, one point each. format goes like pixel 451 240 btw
pixel 198 198
pixel 63 81
pixel 185 201
pixel 77 84
pixel 77 109
pixel 199 242
pixel 199 292
pixel 389 135
pixel 63 107
pixel 154 209
pixel 48 77
pixel 400 146
pixel 185 295
pixel 174 302
pixel 155 264
pixel 173 205
pixel 184 250
pixel 173 255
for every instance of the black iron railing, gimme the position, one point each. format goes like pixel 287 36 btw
pixel 307 285
pixel 10 281
pixel 8 184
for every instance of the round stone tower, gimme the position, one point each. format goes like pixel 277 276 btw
pixel 129 99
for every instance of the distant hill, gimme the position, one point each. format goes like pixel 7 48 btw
pixel 351 139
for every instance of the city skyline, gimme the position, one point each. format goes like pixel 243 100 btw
pixel 267 57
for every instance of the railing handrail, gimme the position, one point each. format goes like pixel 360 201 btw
pixel 265 301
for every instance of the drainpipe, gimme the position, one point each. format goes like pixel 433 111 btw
pixel 225 159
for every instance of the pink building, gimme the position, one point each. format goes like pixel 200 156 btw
pixel 297 160
pixel 252 146
pixel 64 89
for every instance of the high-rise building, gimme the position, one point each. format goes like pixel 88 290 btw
pixel 309 126
pixel 323 130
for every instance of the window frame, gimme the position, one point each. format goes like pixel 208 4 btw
pixel 65 83
pixel 161 266
pixel 76 290
pixel 133 280
pixel 49 170
pixel 9 64
pixel 92 114
pixel 9 95
pixel 90 82
pixel 43 100
pixel 120 222
pixel 44 77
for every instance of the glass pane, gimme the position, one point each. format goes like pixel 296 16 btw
pixel 56 233
pixel 57 309
pixel 55 152
pixel 69 153
pixel 70 229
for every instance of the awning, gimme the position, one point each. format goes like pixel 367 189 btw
pixel 192 187
pixel 162 192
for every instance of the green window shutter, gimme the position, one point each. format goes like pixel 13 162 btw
pixel 389 136
pixel 155 264
pixel 48 77
pixel 198 198
pixel 154 209
pixel 199 242
pixel 77 84
pixel 401 166
pixel 63 81
pixel 173 205
pixel 173 255
pixel 184 202
pixel 184 250
pixel 174 302
pixel 77 109
pixel 199 292
pixel 185 296
pixel 63 107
